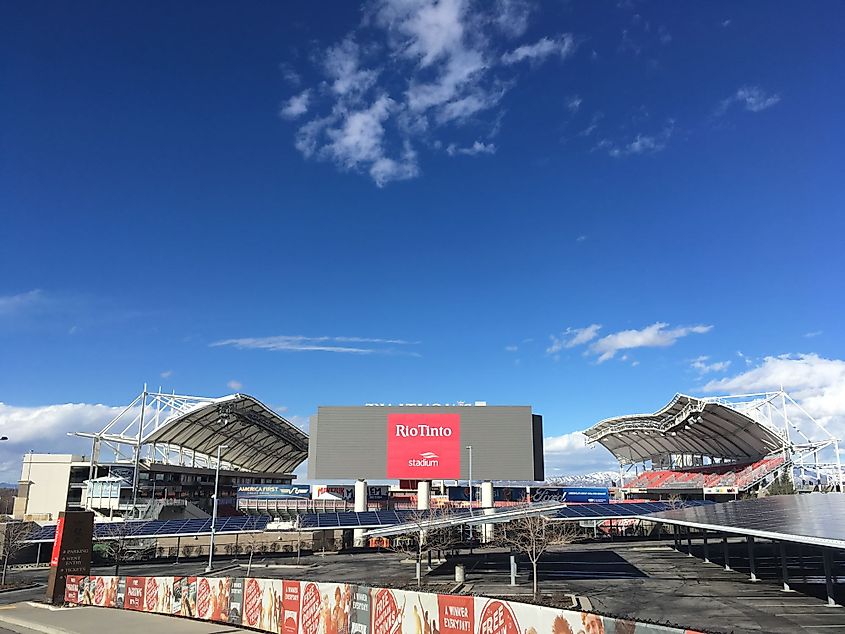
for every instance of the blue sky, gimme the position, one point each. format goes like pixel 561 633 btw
pixel 582 206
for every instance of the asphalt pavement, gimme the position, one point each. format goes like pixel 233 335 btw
pixel 28 617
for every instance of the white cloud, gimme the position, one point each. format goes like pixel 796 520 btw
pixel 12 304
pixel 476 148
pixel 641 143
pixel 512 16
pixel 752 98
pixel 657 335
pixel 511 348
pixel 427 68
pixel 574 104
pixel 814 333
pixel 44 429
pixel 342 66
pixel 816 382
pixel 297 343
pixel 563 46
pixel 594 125
pixel 290 75
pixel 234 385
pixel 572 337
pixel 569 453
pixel 726 23
pixel 581 238
pixel 166 374
pixel 704 366
pixel 297 105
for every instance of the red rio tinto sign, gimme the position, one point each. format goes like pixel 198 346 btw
pixel 424 446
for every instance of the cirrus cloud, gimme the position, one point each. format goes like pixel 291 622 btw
pixel 657 335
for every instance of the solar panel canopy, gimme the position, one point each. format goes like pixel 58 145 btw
pixel 160 528
pixel 815 518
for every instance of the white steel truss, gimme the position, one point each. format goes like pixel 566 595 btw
pixel 807 443
pixel 122 438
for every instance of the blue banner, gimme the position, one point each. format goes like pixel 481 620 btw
pixel 273 491
pixel 570 494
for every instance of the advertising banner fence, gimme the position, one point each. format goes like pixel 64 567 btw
pixel 305 607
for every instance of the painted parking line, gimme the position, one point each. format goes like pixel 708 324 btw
pixel 814 614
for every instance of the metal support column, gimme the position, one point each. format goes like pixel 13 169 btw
pixel 828 576
pixel 752 568
pixel 726 553
pixel 706 550
pixel 689 542
pixel 784 568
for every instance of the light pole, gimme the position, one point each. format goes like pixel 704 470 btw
pixel 214 509
pixel 469 481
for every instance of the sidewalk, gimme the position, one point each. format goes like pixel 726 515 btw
pixel 28 617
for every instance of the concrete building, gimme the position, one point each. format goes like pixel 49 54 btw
pixel 51 483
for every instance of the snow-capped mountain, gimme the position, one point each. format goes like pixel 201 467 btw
pixel 594 479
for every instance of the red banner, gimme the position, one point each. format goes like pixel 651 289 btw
pixel 57 542
pixel 135 587
pixel 290 605
pixel 457 614
pixel 72 588
pixel 424 446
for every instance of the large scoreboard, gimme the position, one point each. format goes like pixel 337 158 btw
pixel 429 442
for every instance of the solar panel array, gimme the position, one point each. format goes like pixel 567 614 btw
pixel 376 519
pixel 809 518
pixel 628 509
pixel 161 528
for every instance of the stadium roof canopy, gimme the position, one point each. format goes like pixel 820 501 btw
pixel 686 426
pixel 256 437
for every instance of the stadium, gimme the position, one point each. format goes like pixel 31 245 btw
pixel 720 447
pixel 189 479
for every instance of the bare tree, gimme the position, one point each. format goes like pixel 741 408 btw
pixel 117 543
pixel 15 537
pixel 253 541
pixel 532 536
pixel 673 502
pixel 427 531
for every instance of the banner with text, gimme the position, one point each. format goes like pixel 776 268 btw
pixel 305 607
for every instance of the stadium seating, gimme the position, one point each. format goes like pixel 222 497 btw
pixel 739 475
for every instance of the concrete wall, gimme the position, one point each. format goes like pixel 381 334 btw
pixel 43 490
